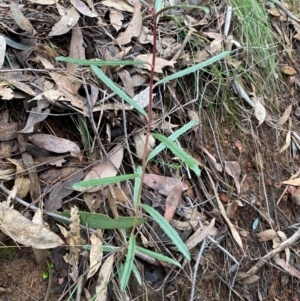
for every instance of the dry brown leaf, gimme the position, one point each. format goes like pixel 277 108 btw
pixel 44 2
pixel 116 19
pixel 212 159
pixel 200 234
pixel 103 278
pixel 287 113
pixel 259 160
pixel 288 140
pixel 24 231
pixel 17 84
pixel 259 110
pixel 55 144
pixel 164 185
pixel 54 175
pixel 288 70
pixel 133 29
pixel 139 142
pixel 6 93
pixel 20 19
pixel 159 62
pixel 274 12
pixel 96 255
pixel 293 182
pixel 93 200
pixel 66 22
pixel 77 49
pixel 172 201
pixel 106 168
pixel 83 9
pixel 238 144
pixel 287 267
pixel 143 98
pixel 36 115
pixel 233 169
pixel 251 279
pixel 62 190
pixel 146 36
pixel 119 4
pixel 8 131
pixel 266 235
pixel 127 82
pixel 277 240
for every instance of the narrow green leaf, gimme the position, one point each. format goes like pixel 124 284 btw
pixel 102 221
pixel 158 256
pixel 173 235
pixel 137 183
pixel 194 68
pixel 128 263
pixel 173 137
pixel 179 152
pixel 104 181
pixel 137 274
pixel 98 62
pixel 109 83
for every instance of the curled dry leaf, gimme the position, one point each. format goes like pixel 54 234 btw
pixel 287 113
pixel 164 185
pixel 134 28
pixel 106 168
pixel 96 255
pixel 287 267
pixel 172 201
pixel 293 182
pixel 200 234
pixel 116 19
pixel 66 22
pixel 159 62
pixel 35 115
pixel 24 231
pixel 118 4
pixel 280 237
pixel 83 9
pixel 288 70
pixel 266 235
pixel 212 159
pixel 251 279
pixel 259 110
pixel 139 142
pixel 55 144
pixel 233 169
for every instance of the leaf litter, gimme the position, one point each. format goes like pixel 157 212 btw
pixel 98 136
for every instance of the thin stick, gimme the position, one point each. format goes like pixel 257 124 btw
pixel 285 244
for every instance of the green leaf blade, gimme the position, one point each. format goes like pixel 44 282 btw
pixel 109 83
pixel 126 271
pixel 172 137
pixel 173 235
pixel 137 184
pixel 84 62
pixel 158 256
pixel 104 181
pixel 180 153
pixel 102 221
pixel 193 68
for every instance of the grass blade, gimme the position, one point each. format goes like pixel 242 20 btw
pixel 137 183
pixel 109 83
pixel 173 235
pixel 127 268
pixel 104 181
pixel 173 137
pixel 98 62
pixel 194 68
pixel 103 221
pixel 179 152
pixel 158 256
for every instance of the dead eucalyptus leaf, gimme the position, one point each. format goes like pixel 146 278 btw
pixel 288 70
pixel 164 185
pixel 266 235
pixel 107 168
pixel 139 142
pixel 287 267
pixel 159 62
pixel 287 113
pixel 233 169
pixel 55 144
pixel 83 9
pixel 24 231
pixel 133 29
pixel 96 255
pixel 172 201
pixel 293 182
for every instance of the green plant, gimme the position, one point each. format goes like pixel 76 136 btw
pixel 166 142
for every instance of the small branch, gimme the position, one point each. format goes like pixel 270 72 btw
pixel 285 244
